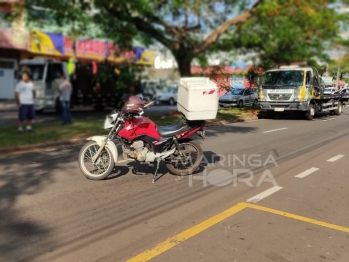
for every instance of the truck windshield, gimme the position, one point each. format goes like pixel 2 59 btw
pixel 284 79
pixel 36 71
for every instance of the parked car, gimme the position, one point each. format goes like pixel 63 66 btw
pixel 169 97
pixel 327 80
pixel 239 97
pixel 329 91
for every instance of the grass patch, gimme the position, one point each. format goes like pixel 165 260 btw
pixel 229 114
pixel 44 133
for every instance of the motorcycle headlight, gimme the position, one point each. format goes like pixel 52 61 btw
pixel 108 122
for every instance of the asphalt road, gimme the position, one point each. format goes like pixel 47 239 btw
pixel 9 118
pixel 268 190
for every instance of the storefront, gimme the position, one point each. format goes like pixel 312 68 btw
pixel 37 44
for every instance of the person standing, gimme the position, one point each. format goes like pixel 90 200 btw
pixel 25 96
pixel 65 91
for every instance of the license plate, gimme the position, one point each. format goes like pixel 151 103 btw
pixel 279 109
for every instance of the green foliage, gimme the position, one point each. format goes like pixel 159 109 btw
pixel 277 31
pixel 343 69
pixel 286 31
pixel 69 15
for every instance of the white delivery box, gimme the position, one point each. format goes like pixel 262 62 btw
pixel 197 98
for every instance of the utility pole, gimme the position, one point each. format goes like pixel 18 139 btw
pixel 337 82
pixel 73 36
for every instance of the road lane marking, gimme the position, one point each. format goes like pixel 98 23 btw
pixel 274 130
pixel 334 159
pixel 176 240
pixel 187 234
pixel 307 172
pixel 264 194
pixel 328 119
pixel 300 218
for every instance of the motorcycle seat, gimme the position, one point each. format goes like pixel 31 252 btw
pixel 168 131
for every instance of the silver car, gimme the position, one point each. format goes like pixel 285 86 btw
pixel 239 97
pixel 329 91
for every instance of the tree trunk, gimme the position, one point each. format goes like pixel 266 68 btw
pixel 184 63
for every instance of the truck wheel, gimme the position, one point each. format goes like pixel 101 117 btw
pixel 98 108
pixel 309 115
pixel 270 114
pixel 39 111
pixel 338 111
pixel 58 106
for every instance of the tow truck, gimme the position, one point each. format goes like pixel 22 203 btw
pixel 297 89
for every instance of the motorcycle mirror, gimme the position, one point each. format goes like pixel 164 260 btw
pixel 149 104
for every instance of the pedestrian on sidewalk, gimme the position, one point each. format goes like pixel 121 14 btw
pixel 65 91
pixel 25 96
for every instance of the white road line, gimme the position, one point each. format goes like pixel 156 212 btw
pixel 328 119
pixel 274 130
pixel 333 159
pixel 307 172
pixel 264 194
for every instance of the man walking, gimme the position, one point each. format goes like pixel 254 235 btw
pixel 65 90
pixel 25 96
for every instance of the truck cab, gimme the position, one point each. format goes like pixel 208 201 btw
pixel 297 89
pixel 46 76
pixel 289 88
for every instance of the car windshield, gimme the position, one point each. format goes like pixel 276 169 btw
pixel 237 91
pixel 36 71
pixel 283 79
pixel 172 89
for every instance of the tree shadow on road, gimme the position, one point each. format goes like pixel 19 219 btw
pixel 229 129
pixel 23 176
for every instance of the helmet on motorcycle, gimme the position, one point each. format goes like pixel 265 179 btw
pixel 134 105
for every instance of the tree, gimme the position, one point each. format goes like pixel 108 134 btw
pixel 187 28
pixel 277 30
pixel 343 69
pixel 282 32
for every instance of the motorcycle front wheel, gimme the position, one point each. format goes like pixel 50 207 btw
pixel 187 162
pixel 103 166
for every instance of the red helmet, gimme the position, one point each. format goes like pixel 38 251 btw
pixel 134 105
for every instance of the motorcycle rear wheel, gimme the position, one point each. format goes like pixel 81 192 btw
pixel 101 168
pixel 186 164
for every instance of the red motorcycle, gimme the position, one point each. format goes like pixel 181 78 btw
pixel 142 141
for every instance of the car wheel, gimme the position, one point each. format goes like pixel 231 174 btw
pixel 255 102
pixel 171 101
pixel 240 104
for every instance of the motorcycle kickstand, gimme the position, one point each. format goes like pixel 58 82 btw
pixel 156 171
